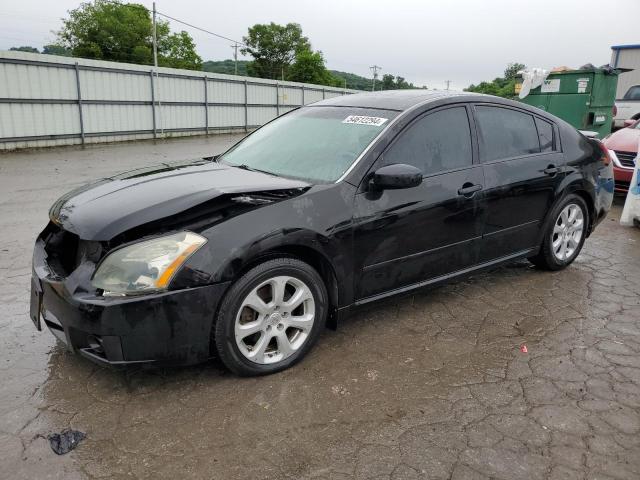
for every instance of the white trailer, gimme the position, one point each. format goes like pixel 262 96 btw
pixel 628 92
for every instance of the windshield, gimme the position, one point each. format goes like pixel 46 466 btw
pixel 316 144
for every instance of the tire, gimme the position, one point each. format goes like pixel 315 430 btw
pixel 563 238
pixel 257 329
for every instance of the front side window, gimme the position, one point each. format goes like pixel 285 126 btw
pixel 633 93
pixel 505 133
pixel 316 144
pixel 435 143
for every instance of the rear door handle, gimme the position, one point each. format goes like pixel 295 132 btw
pixel 469 189
pixel 551 170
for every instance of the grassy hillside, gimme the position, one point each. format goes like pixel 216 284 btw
pixel 227 66
pixel 353 81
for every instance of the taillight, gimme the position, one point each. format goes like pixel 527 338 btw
pixel 605 158
pixel 614 110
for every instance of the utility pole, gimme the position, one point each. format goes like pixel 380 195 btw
pixel 374 69
pixel 235 56
pixel 448 82
pixel 155 65
pixel 155 39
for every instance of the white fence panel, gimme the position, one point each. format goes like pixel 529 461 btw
pixel 117 118
pixel 172 89
pixel 290 96
pixel 261 94
pixel 182 117
pixel 261 115
pixel 311 96
pixel 221 117
pixel 48 100
pixel 38 120
pixel 119 86
pixel 219 92
pixel 27 81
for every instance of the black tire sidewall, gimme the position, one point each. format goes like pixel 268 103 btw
pixel 224 331
pixel 547 248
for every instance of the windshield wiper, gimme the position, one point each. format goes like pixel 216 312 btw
pixel 244 166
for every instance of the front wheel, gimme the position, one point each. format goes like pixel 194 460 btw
pixel 564 237
pixel 271 317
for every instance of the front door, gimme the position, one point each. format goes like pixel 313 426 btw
pixel 409 236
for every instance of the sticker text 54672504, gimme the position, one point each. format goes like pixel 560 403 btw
pixel 365 120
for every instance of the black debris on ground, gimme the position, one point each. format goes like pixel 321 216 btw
pixel 65 441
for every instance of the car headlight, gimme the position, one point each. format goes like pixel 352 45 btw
pixel 147 266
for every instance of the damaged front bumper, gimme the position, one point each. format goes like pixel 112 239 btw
pixel 169 328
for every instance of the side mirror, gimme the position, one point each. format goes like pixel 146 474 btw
pixel 629 122
pixel 396 176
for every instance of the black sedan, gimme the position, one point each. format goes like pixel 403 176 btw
pixel 250 254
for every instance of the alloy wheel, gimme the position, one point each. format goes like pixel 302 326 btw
pixel 567 232
pixel 274 320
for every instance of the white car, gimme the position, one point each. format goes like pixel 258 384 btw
pixel 628 108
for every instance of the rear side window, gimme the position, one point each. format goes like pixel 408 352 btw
pixel 633 93
pixel 505 133
pixel 545 135
pixel 437 142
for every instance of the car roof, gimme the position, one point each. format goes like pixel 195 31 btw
pixel 399 100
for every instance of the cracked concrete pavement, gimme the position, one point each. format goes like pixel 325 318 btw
pixel 430 386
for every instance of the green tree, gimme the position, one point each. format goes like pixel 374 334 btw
pixel 178 51
pixel 388 82
pixel 56 50
pixel 500 86
pixel 110 30
pixel 512 70
pixel 24 49
pixel 274 48
pixel 309 68
pixel 401 83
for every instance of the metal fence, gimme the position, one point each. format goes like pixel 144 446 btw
pixel 47 100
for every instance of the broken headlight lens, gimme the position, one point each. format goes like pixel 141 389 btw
pixel 147 266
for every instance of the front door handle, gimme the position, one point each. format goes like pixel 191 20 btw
pixel 468 189
pixel 551 170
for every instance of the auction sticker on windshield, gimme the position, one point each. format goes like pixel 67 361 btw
pixel 365 120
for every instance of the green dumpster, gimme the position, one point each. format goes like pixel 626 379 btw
pixel 583 98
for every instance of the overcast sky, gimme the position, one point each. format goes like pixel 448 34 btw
pixel 427 42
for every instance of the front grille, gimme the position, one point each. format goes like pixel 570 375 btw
pixel 627 159
pixel 620 185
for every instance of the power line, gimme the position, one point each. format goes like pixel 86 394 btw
pixel 201 29
pixel 374 69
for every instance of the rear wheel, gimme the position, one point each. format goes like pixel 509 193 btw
pixel 271 317
pixel 564 236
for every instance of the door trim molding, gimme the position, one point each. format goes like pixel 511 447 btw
pixel 448 276
pixel 508 229
pixel 419 254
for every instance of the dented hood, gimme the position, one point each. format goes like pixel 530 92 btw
pixel 111 206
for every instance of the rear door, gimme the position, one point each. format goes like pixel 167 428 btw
pixel 405 237
pixel 523 166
